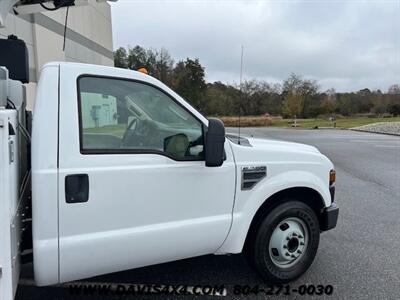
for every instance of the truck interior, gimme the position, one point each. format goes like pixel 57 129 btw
pixel 135 116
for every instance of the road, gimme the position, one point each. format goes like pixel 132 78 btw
pixel 360 258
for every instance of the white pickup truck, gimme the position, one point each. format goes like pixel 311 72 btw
pixel 126 174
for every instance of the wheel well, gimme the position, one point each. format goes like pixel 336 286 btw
pixel 306 195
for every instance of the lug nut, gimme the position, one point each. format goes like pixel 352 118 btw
pixel 287 238
pixel 287 254
pixel 293 256
pixel 301 243
pixel 294 234
pixel 300 236
pixel 299 251
pixel 284 247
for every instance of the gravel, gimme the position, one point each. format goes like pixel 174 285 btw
pixel 384 127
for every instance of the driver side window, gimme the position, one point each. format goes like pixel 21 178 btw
pixel 123 116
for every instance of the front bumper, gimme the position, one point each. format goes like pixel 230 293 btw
pixel 329 217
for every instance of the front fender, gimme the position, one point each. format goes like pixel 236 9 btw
pixel 247 203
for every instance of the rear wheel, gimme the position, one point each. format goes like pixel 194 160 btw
pixel 285 243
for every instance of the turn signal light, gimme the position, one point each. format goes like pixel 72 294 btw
pixel 332 177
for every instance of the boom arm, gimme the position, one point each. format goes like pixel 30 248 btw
pixel 5 8
pixel 36 6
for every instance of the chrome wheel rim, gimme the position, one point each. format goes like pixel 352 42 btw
pixel 288 242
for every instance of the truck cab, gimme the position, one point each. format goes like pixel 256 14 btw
pixel 125 174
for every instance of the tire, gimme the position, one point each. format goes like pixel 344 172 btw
pixel 292 229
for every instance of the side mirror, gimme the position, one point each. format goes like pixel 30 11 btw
pixel 215 139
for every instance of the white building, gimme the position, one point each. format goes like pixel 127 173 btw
pixel 88 38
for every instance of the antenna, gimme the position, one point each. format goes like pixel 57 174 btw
pixel 65 28
pixel 241 93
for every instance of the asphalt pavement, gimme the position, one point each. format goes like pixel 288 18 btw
pixel 360 258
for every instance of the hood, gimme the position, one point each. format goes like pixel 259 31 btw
pixel 281 146
pixel 273 145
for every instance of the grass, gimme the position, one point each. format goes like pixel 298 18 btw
pixel 303 123
pixel 250 121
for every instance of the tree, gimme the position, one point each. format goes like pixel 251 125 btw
pixel 345 104
pixel 221 100
pixel 293 104
pixel 394 89
pixel 158 63
pixel 271 98
pixel 260 97
pixel 394 109
pixel 188 80
pixel 328 104
pixel 306 92
pixel 250 100
pixel 295 96
pixel 380 102
pixel 163 66
pixel 137 58
pixel 121 58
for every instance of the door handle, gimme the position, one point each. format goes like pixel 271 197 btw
pixel 77 188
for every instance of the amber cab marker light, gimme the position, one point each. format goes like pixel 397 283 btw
pixel 332 177
pixel 143 70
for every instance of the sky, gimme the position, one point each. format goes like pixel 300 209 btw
pixel 346 45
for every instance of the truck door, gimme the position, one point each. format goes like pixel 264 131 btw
pixel 133 186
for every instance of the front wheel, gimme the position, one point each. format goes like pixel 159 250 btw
pixel 286 242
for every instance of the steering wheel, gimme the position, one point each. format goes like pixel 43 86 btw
pixel 129 132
